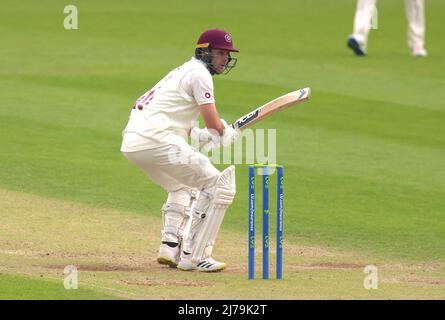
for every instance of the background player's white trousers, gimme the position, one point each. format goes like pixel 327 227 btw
pixel 176 166
pixel 415 12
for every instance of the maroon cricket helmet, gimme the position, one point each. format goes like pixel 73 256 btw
pixel 216 39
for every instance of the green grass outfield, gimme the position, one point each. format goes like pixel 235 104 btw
pixel 28 288
pixel 364 159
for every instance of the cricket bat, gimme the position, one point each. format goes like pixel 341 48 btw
pixel 274 106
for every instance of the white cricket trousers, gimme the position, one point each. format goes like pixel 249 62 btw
pixel 176 166
pixel 415 12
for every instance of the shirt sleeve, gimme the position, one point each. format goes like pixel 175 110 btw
pixel 202 87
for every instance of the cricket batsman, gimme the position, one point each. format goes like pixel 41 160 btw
pixel 155 140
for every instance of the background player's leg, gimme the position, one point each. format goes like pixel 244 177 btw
pixel 415 13
pixel 358 41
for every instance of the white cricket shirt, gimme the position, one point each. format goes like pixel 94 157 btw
pixel 168 110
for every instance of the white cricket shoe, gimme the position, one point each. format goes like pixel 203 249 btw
pixel 419 52
pixel 168 255
pixel 207 265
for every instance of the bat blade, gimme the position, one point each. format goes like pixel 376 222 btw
pixel 271 107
